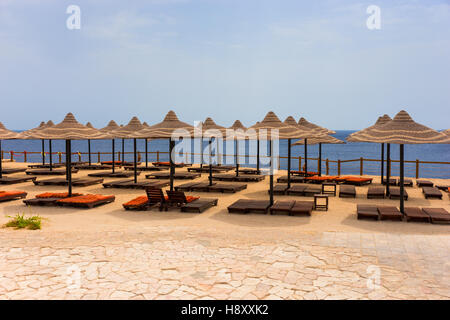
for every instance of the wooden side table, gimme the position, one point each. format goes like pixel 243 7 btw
pixel 332 185
pixel 321 206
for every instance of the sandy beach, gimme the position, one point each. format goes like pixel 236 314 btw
pixel 230 238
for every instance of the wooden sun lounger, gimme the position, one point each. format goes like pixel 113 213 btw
pixel 119 163
pixel 294 179
pixel 424 183
pixel 109 174
pixel 130 184
pixel 389 213
pixel 247 205
pixel 94 167
pixel 347 191
pixel 41 201
pixel 302 207
pixel 48 172
pixel 224 167
pixel 77 182
pixel 227 187
pixel 45 166
pixel 394 193
pixel 206 169
pixel 189 204
pixel 311 190
pixel 187 186
pixel 302 173
pixel 167 164
pixel 12 195
pixel 177 175
pixel 392 181
pixel 367 211
pixel 356 181
pixel 72 202
pixel 14 180
pixel 416 214
pixel 282 207
pixel 249 178
pixel 279 189
pixel 249 171
pixel 432 192
pixel 12 170
pixel 375 192
pixel 199 205
pixel 437 215
pixel 406 182
pixel 143 168
pixel 200 187
pixel 445 188
pixel 297 190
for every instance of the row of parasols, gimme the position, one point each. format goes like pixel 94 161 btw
pixel 402 129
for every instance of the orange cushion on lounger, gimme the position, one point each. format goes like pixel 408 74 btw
pixel 88 198
pixel 56 195
pixel 137 201
pixel 356 179
pixel 191 198
pixel 10 193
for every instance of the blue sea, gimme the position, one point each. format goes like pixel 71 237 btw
pixel 426 152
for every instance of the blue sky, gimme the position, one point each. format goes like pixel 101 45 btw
pixel 228 59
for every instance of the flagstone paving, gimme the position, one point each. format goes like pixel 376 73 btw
pixel 192 263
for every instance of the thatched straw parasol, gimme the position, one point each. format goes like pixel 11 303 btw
pixel 69 129
pixel 239 131
pixel 359 137
pixel 404 130
pixel 447 132
pixel 310 125
pixel 321 140
pixel 130 131
pixel 166 129
pixel 272 128
pixel 111 128
pixel 212 130
pixel 6 134
pixel 42 125
pixel 310 132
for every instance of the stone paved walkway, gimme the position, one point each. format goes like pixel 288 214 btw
pixel 189 263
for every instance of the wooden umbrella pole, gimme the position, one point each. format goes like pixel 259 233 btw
pixel 172 167
pixel 210 162
pixel 289 164
pixel 306 157
pixel 43 152
pixel 320 159
pixel 113 149
pixel 402 179
pixel 135 160
pixel 388 168
pixel 382 163
pixel 271 172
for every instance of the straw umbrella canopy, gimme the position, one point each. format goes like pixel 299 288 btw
pixel 6 134
pixel 327 139
pixel 271 128
pixel 42 125
pixel 110 128
pixel 313 131
pixel 165 130
pixel 404 130
pixel 359 136
pixel 69 129
pixel 130 131
pixel 209 130
pixel 310 125
pixel 447 132
pixel 239 131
